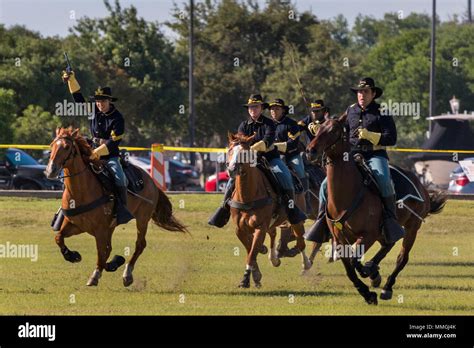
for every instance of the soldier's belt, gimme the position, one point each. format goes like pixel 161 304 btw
pixel 368 148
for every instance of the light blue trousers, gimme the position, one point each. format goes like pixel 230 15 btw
pixel 119 176
pixel 381 171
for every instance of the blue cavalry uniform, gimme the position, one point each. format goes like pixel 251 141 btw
pixel 286 140
pixel 369 133
pixel 263 143
pixel 107 129
pixel 311 123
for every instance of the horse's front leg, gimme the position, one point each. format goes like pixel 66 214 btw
pixel 252 266
pixel 101 238
pixel 370 297
pixel 67 230
pixel 273 255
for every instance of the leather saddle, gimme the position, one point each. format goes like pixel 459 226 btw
pixel 405 188
pixel 134 175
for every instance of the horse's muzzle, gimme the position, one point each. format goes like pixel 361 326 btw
pixel 52 170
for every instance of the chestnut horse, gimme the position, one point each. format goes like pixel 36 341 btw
pixel 255 209
pixel 70 151
pixel 362 224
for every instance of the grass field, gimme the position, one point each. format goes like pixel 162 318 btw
pixel 198 274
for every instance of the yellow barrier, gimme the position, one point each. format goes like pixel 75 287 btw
pixel 214 149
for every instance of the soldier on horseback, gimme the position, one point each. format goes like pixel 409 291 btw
pixel 287 138
pixel 263 143
pixel 311 123
pixel 369 134
pixel 107 128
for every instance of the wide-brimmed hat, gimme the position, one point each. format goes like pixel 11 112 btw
pixel 256 99
pixel 279 102
pixel 102 93
pixel 317 105
pixel 368 82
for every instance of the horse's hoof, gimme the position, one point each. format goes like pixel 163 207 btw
pixel 72 256
pixel 371 298
pixel 258 285
pixel 263 250
pixel 276 262
pixel 386 294
pixel 289 252
pixel 245 282
pixel 92 281
pixel 116 262
pixel 376 281
pixel 127 281
pixel 257 276
pixel 307 264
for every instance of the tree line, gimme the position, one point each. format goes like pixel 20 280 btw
pixel 240 48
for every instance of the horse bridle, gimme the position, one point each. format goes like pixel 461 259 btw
pixel 72 153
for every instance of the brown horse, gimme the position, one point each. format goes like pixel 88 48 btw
pixel 83 191
pixel 362 224
pixel 254 208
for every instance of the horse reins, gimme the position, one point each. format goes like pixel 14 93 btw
pixel 72 154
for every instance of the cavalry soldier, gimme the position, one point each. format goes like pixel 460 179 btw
pixel 107 128
pixel 369 134
pixel 311 123
pixel 287 138
pixel 263 143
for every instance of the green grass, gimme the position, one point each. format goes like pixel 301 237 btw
pixel 204 269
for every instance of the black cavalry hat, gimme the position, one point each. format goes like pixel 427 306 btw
pixel 103 93
pixel 281 103
pixel 368 82
pixel 256 99
pixel 317 105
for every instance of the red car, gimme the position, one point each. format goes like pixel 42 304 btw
pixel 211 182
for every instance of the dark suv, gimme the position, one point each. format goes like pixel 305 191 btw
pixel 20 171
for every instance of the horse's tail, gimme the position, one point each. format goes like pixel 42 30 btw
pixel 437 201
pixel 163 215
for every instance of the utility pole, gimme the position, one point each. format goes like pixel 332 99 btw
pixel 191 79
pixel 469 15
pixel 432 67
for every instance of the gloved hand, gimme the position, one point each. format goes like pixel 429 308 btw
pixel 373 137
pixel 313 127
pixel 259 146
pixel 94 156
pixel 102 150
pixel 281 146
pixel 71 81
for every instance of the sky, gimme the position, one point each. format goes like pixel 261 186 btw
pixel 52 17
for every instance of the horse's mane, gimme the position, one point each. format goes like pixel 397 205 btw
pixel 239 138
pixel 82 144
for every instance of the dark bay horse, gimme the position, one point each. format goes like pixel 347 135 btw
pixel 255 209
pixel 71 152
pixel 363 225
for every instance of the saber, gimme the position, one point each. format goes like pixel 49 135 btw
pixel 68 63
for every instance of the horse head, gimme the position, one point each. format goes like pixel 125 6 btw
pixel 239 152
pixel 328 137
pixel 65 147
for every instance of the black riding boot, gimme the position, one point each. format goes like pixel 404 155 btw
pixel 222 214
pixel 392 229
pixel 319 231
pixel 295 215
pixel 123 214
pixel 57 220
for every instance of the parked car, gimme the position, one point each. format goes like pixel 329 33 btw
pixel 145 164
pixel 459 182
pixel 182 176
pixel 20 171
pixel 211 182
